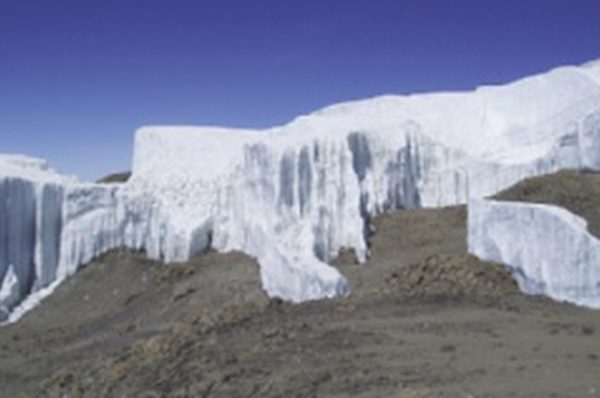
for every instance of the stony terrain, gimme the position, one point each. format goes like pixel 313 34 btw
pixel 424 320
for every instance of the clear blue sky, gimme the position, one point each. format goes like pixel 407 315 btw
pixel 77 77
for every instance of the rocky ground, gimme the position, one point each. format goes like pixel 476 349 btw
pixel 424 320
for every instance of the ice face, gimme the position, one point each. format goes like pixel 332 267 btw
pixel 10 293
pixel 293 196
pixel 31 201
pixel 549 249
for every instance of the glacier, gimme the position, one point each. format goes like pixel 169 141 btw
pixel 292 196
pixel 549 248
pixel 31 204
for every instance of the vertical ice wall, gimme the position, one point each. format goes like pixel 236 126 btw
pixel 18 211
pixel 31 200
pixel 548 248
pixel 292 196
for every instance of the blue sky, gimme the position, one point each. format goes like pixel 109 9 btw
pixel 77 77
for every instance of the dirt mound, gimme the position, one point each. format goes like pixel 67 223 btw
pixel 576 191
pixel 448 275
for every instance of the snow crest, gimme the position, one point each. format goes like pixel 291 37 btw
pixel 293 196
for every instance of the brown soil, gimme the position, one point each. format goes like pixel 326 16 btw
pixel 577 191
pixel 424 320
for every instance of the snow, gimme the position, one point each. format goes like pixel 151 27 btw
pixel 292 196
pixel 548 248
pixel 30 168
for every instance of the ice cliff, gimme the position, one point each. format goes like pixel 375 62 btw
pixel 549 249
pixel 292 196
pixel 31 205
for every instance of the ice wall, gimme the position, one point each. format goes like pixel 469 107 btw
pixel 31 199
pixel 548 248
pixel 292 196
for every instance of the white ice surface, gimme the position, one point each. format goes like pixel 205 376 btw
pixel 293 196
pixel 31 202
pixel 9 292
pixel 548 248
pixel 30 168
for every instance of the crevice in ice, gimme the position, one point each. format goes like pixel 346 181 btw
pixel 404 172
pixel 361 154
pixel 304 180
